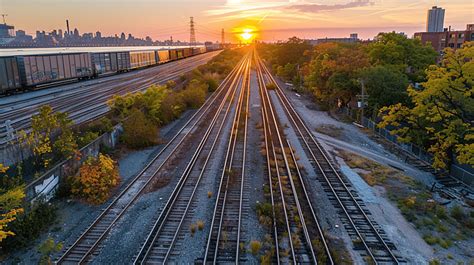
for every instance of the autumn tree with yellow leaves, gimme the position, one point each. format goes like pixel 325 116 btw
pixel 10 202
pixel 97 177
pixel 441 115
pixel 50 135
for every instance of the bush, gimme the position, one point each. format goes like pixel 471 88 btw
pixel 139 131
pixel 97 177
pixel 270 86
pixel 255 246
pixel 457 212
pixel 200 225
pixel 194 94
pixel 29 226
pixel 48 248
pixel 87 138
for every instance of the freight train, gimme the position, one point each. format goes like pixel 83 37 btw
pixel 29 71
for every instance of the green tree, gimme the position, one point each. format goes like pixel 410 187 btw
pixel 385 86
pixel 442 115
pixel 333 72
pixel 410 56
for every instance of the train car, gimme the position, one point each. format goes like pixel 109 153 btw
pixel 110 62
pixel 187 52
pixel 142 58
pixel 163 56
pixel 9 75
pixel 173 55
pixel 179 53
pixel 41 69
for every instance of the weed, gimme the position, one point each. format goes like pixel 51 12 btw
pixel 192 228
pixel 457 212
pixel 200 225
pixel 255 246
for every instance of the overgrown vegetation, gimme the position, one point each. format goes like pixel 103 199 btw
pixel 96 178
pixel 143 113
pixel 425 104
pixel 10 206
pixel 51 137
pixel 28 226
pixel 440 116
pixel 438 224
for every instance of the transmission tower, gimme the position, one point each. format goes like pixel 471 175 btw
pixel 222 38
pixel 192 35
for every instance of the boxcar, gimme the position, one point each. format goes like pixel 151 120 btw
pixel 163 56
pixel 173 55
pixel 9 75
pixel 40 69
pixel 179 53
pixel 187 52
pixel 110 62
pixel 142 59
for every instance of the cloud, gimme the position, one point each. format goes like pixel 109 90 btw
pixel 316 8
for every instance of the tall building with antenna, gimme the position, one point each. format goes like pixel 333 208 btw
pixel 192 32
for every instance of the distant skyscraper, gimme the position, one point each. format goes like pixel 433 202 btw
pixel 435 20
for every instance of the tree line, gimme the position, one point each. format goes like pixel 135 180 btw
pixel 425 98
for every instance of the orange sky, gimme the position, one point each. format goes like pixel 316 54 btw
pixel 275 19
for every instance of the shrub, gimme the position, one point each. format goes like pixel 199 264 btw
pixel 47 248
pixel 194 94
pixel 87 138
pixel 97 177
pixel 192 228
pixel 457 212
pixel 270 86
pixel 139 131
pixel 200 225
pixel 255 246
pixel 28 226
pixel 431 239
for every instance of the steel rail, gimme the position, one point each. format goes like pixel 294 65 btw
pixel 160 222
pixel 196 117
pixel 228 167
pixel 267 112
pixel 294 117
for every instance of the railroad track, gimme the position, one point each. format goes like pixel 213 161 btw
pixel 95 95
pixel 164 234
pixel 88 243
pixel 223 243
pixel 295 226
pixel 366 234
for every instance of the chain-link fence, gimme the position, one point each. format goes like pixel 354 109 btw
pixel 461 172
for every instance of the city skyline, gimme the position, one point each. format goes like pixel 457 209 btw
pixel 275 20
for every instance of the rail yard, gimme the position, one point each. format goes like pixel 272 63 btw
pixel 242 179
pixel 218 135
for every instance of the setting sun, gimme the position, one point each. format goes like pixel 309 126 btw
pixel 246 34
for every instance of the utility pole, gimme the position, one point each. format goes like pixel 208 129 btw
pixel 362 99
pixel 192 32
pixel 3 16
